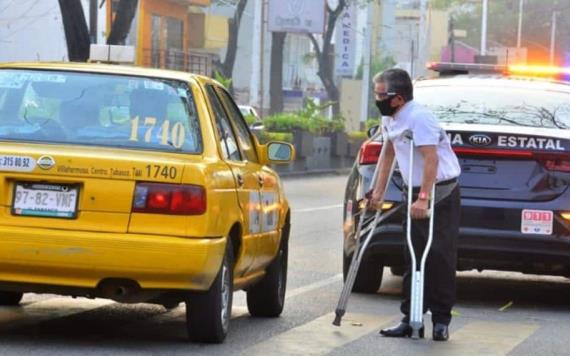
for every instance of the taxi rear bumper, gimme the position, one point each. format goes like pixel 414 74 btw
pixel 94 260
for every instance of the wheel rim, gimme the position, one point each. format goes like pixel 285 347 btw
pixel 225 297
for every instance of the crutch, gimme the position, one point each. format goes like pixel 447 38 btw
pixel 418 276
pixel 358 250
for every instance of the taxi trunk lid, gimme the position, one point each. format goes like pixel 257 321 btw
pixel 103 179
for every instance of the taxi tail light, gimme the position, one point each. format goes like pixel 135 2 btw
pixel 171 199
pixel 369 152
pixel 550 161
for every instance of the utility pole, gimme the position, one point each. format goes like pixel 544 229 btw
pixel 262 60
pixel 255 53
pixel 423 38
pixel 519 33
pixel 553 37
pixel 93 12
pixel 484 29
pixel 452 38
pixel 366 49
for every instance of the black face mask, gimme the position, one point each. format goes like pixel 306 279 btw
pixel 385 108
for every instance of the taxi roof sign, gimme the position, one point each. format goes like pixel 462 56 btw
pixel 447 68
pixel 112 54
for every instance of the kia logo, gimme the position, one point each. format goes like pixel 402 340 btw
pixel 480 140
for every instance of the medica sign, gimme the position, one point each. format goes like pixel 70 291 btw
pixel 345 43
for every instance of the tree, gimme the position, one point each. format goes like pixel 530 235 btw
pixel 226 67
pixel 276 80
pixel 77 32
pixel 325 55
pixel 126 11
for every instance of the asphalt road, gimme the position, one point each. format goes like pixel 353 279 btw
pixel 497 313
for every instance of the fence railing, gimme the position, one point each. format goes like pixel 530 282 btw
pixel 193 62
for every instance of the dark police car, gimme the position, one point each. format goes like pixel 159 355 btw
pixel 511 132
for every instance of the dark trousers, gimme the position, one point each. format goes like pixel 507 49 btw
pixel 441 263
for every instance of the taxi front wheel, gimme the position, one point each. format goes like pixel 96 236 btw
pixel 208 314
pixel 10 298
pixel 267 298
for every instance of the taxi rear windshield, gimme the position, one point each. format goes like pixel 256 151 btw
pixel 497 105
pixel 97 109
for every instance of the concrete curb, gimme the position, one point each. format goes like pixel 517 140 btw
pixel 316 172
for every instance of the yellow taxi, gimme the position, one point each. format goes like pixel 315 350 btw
pixel 138 185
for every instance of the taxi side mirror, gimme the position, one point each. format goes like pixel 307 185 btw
pixel 275 152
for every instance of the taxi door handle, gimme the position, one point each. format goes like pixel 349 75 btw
pixel 239 179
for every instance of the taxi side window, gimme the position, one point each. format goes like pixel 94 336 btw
pixel 242 131
pixel 228 141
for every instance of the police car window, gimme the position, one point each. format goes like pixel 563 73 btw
pixel 99 110
pixel 228 142
pixel 242 131
pixel 488 105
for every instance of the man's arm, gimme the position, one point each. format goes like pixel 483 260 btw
pixel 429 153
pixel 385 162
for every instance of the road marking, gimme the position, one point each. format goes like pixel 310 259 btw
pixel 320 337
pixel 485 338
pixel 310 287
pixel 52 308
pixel 308 210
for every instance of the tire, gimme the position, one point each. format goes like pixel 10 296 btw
pixel 398 270
pixel 10 298
pixel 208 314
pixel 267 297
pixel 369 276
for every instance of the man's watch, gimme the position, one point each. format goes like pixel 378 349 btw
pixel 423 196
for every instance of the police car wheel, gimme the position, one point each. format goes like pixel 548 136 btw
pixel 208 314
pixel 369 276
pixel 10 298
pixel 267 298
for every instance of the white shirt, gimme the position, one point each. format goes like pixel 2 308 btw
pixel 426 131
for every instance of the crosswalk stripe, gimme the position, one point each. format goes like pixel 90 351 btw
pixel 52 308
pixel 320 337
pixel 485 338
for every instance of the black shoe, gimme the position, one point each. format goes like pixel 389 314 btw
pixel 400 330
pixel 440 332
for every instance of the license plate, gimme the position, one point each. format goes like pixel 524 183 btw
pixel 47 200
pixel 537 222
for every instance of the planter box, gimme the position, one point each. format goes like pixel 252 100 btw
pixel 303 142
pixel 339 144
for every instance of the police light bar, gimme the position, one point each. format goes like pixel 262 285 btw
pixel 539 71
pixel 447 68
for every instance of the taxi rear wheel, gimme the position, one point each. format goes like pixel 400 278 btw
pixel 10 298
pixel 267 298
pixel 208 314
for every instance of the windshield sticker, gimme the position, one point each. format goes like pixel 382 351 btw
pixel 154 85
pixel 17 163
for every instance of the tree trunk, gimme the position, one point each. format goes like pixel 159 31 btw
pixel 76 31
pixel 122 24
pixel 276 80
pixel 227 66
pixel 325 56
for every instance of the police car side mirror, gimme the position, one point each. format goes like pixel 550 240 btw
pixel 372 131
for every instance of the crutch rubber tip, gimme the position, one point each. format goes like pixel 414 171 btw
pixel 337 319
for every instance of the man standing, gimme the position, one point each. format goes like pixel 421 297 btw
pixel 434 162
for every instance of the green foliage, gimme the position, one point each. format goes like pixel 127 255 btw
pixel 226 82
pixel 357 136
pixel 265 137
pixel 377 65
pixel 372 122
pixel 309 118
pixel 250 119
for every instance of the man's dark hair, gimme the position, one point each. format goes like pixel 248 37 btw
pixel 398 81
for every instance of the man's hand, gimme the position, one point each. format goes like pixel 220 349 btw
pixel 419 209
pixel 374 199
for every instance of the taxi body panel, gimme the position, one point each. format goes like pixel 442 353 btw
pixel 107 239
